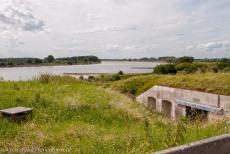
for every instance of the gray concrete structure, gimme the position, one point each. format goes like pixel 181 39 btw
pixel 175 102
pixel 214 145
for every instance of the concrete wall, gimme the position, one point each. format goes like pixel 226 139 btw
pixel 225 102
pixel 161 93
pixel 214 145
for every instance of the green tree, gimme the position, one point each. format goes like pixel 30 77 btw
pixel 184 59
pixel 50 59
pixel 121 73
pixel 38 61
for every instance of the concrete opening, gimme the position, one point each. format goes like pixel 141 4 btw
pixel 196 114
pixel 152 103
pixel 167 108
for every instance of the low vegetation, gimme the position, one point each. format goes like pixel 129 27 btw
pixel 218 83
pixel 79 115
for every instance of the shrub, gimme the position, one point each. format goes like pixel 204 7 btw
pixel 38 61
pixel 214 69
pixel 91 77
pixel 70 63
pixel 3 64
pixel 44 78
pixel 10 63
pixel 132 85
pixel 223 65
pixel 29 61
pixel 81 77
pixel 227 70
pixel 187 67
pixel 202 67
pixel 121 73
pixel 165 69
pixel 116 77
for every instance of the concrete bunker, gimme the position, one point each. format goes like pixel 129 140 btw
pixel 166 108
pixel 152 105
pixel 176 103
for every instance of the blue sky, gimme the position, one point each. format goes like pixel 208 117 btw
pixel 115 28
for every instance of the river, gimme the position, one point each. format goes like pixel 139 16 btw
pixel 27 73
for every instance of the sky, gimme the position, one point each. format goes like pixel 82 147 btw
pixel 115 28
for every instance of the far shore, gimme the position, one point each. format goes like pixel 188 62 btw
pixel 44 65
pixel 56 64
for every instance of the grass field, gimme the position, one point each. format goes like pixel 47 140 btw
pixel 218 83
pixel 88 119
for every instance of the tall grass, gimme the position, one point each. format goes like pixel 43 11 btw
pixel 70 113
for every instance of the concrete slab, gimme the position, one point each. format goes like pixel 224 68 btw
pixel 16 110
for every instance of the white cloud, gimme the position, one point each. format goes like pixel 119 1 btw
pixel 130 47
pixel 131 27
pixel 106 29
pixel 113 47
pixel 19 17
pixel 215 45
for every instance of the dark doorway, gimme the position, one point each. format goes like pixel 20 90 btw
pixel 152 103
pixel 196 114
pixel 167 108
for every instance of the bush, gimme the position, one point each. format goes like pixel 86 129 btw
pixel 38 61
pixel 29 61
pixel 121 73
pixel 187 67
pixel 10 63
pixel 165 69
pixel 223 65
pixel 70 63
pixel 116 77
pixel 81 77
pixel 131 87
pixel 44 78
pixel 133 84
pixel 227 70
pixel 3 64
pixel 91 77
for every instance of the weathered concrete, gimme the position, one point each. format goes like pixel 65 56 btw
pixel 165 100
pixel 17 113
pixel 16 110
pixel 214 145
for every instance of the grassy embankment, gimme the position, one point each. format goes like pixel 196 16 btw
pixel 218 83
pixel 69 113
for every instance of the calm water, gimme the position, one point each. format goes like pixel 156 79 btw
pixel 27 73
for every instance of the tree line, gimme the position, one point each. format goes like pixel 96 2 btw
pixel 49 60
pixel 171 59
pixel 190 65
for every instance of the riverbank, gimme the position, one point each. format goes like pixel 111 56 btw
pixel 85 75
